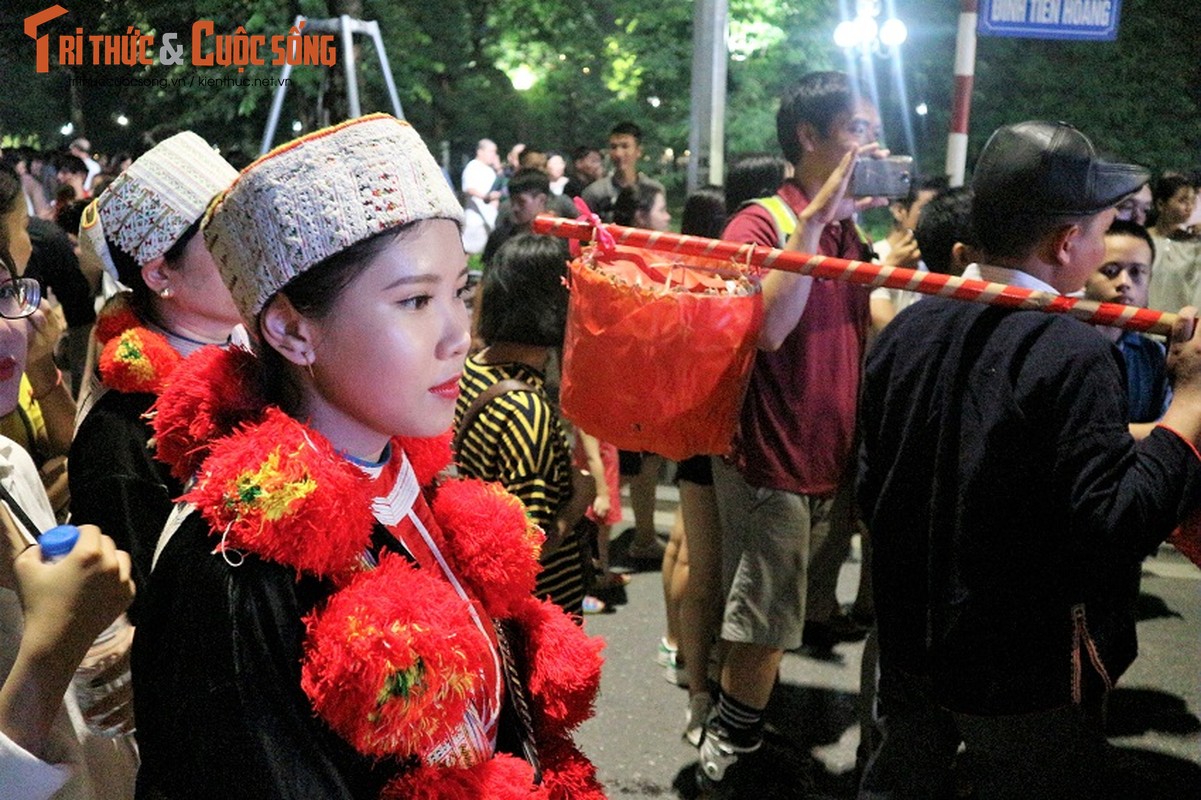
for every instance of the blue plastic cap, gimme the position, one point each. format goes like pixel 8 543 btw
pixel 58 541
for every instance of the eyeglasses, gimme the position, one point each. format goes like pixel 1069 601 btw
pixel 19 297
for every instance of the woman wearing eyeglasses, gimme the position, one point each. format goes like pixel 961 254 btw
pixel 144 230
pixel 45 750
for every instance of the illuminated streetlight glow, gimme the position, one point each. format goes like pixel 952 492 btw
pixel 654 101
pixel 122 120
pixel 67 129
pixel 523 78
pixel 846 34
pixel 893 32
pixel 296 126
pixel 922 109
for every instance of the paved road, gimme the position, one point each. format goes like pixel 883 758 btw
pixel 635 737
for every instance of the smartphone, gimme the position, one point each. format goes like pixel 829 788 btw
pixel 882 177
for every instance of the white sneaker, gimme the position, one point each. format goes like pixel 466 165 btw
pixel 668 657
pixel 719 753
pixel 699 708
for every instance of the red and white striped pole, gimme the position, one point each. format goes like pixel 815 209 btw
pixel 961 104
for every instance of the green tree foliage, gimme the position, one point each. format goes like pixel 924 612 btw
pixel 595 62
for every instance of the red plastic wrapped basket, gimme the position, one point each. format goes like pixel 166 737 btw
pixel 658 349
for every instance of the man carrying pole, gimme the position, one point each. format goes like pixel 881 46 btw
pixel 1009 508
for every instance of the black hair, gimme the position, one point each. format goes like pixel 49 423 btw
pixel 582 152
pixel 10 195
pixel 627 128
pixel 1166 187
pixel 66 162
pixel 704 213
pixel 522 298
pixel 817 98
pixel 1001 233
pixel 129 271
pixel 945 220
pixel 70 215
pixel 10 187
pixel 1124 227
pixel 529 180
pixel 632 199
pixel 924 183
pixel 752 177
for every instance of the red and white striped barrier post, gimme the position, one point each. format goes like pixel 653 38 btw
pixel 961 104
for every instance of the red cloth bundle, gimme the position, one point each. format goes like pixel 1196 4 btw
pixel 658 350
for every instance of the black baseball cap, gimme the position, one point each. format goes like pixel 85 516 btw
pixel 1048 169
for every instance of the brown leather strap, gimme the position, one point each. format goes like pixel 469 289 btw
pixel 512 657
pixel 485 397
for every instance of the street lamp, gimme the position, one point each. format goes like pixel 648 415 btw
pixel 865 33
pixel 865 36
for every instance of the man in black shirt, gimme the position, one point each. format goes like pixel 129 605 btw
pixel 1009 507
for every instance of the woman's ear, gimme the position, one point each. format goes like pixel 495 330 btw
pixel 157 276
pixel 287 331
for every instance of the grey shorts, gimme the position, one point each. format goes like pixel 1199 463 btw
pixel 766 536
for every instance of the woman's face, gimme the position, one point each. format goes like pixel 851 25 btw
pixel 1177 208
pixel 14 345
pixel 388 355
pixel 658 218
pixel 16 229
pixel 198 293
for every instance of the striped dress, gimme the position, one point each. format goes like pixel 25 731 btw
pixel 518 441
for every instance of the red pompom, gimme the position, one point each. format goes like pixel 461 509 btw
pixel 393 660
pixel 567 774
pixel 137 360
pixel 115 318
pixel 205 398
pixel 279 490
pixel 563 665
pixel 428 456
pixel 492 543
pixel 502 777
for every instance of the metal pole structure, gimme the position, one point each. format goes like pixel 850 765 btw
pixel 706 128
pixel 345 28
pixel 378 41
pixel 352 85
pixel 277 103
pixel 961 105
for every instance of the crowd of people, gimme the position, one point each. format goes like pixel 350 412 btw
pixel 330 462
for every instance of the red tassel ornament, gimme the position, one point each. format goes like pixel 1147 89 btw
pixel 137 360
pixel 279 490
pixel 206 398
pixel 503 777
pixel 492 542
pixel 392 660
pixel 428 456
pixel 563 667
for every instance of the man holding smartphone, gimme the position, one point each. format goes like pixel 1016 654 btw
pixel 797 428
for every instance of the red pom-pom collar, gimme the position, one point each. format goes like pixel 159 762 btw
pixel 390 655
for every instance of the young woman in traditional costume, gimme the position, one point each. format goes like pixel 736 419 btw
pixel 331 615
pixel 143 229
